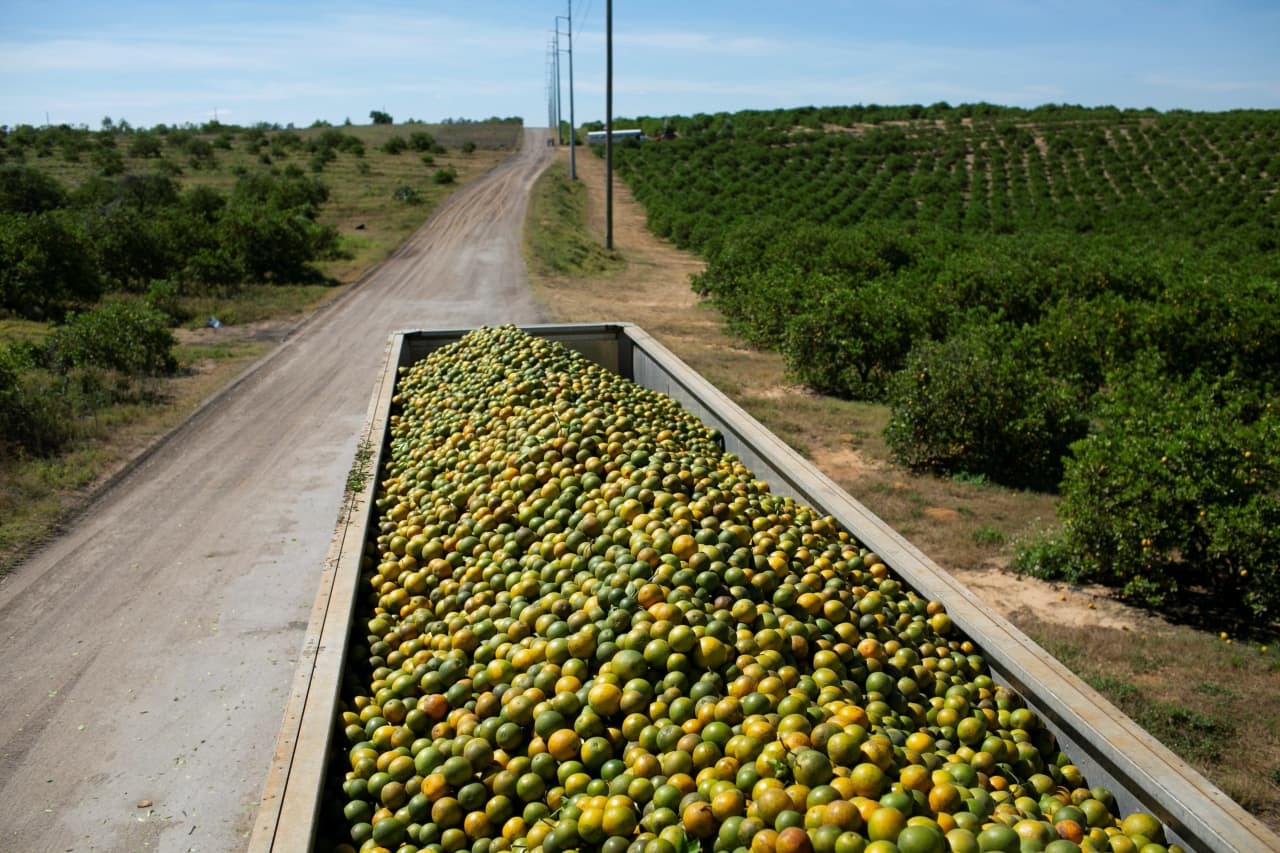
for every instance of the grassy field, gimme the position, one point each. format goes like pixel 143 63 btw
pixel 38 495
pixel 1212 699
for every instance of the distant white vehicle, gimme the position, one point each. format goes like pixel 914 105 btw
pixel 597 137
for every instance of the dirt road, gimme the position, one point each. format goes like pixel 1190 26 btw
pixel 149 652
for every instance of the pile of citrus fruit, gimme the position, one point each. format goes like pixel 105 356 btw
pixel 590 628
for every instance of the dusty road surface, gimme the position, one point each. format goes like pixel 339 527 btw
pixel 148 653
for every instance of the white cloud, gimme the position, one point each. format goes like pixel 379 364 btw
pixel 347 40
pixel 125 55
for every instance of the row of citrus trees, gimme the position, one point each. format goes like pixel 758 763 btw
pixel 1129 364
pixel 1193 176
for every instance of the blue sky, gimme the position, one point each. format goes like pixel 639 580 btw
pixel 176 62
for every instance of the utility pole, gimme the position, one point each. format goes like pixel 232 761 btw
pixel 556 54
pixel 608 124
pixel 573 141
pixel 551 88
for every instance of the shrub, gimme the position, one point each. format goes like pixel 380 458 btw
pixel 333 141
pixel 146 145
pixel 130 247
pixel 420 140
pixel 1082 340
pixel 201 153
pixel 25 189
pixel 32 420
pixel 1176 489
pixel 1217 325
pixel 294 190
pixel 13 417
pixel 446 175
pixel 468 147
pixel 380 117
pixel 407 195
pixel 164 296
pixel 46 265
pixel 275 243
pixel 850 341
pixel 973 404
pixel 394 145
pixel 130 338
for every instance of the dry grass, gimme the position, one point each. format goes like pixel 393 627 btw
pixel 38 496
pixel 1198 695
pixel 1212 702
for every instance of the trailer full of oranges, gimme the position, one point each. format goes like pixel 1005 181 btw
pixel 588 627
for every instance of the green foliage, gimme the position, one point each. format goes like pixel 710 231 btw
pixel 445 175
pixel 124 232
pixel 992 536
pixel 321 159
pixel 468 147
pixel 122 336
pixel 268 231
pixel 270 243
pixel 145 145
pixel 1088 235
pixel 1174 491
pixel 1215 324
pixel 331 142
pixel 380 117
pixel 971 404
pixel 46 265
pixel 12 415
pixel 407 195
pixel 109 161
pixel 26 189
pixel 420 140
pixel 32 420
pixel 164 296
pixel 557 227
pixel 201 153
pixel 850 341
pixel 394 145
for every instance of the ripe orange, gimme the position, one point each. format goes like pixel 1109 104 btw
pixel 885 824
pixel 564 744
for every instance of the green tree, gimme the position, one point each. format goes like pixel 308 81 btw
pixel 420 140
pixel 145 145
pixel 46 265
pixel 974 404
pixel 26 189
pixel 127 337
pixel 1175 489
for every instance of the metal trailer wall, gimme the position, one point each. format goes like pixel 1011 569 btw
pixel 1103 742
